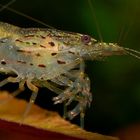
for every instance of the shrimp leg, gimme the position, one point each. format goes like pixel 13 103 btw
pixel 67 94
pixel 55 89
pixel 15 93
pixel 8 80
pixel 33 97
pixel 78 89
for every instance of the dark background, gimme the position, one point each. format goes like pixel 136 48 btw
pixel 116 80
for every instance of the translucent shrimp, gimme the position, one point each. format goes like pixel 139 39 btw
pixel 46 57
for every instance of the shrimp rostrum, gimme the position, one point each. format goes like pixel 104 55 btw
pixel 52 58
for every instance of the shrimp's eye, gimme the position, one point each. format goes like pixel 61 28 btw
pixel 86 39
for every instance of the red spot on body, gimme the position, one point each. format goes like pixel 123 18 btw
pixel 42 66
pixel 3 62
pixel 53 54
pixel 61 62
pixel 29 35
pixel 52 44
pixel 42 36
pixel 34 43
pixel 37 54
pixel 20 51
pixel 42 46
pixel 18 40
pixel 71 52
pixel 23 51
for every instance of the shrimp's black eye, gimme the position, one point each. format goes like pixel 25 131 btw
pixel 86 39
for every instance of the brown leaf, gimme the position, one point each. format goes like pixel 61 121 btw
pixel 40 124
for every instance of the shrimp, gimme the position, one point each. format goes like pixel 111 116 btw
pixel 51 58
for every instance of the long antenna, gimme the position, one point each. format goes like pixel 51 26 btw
pixel 131 23
pixel 124 32
pixel 95 20
pixel 133 53
pixel 6 5
pixel 123 27
pixel 127 31
pixel 24 15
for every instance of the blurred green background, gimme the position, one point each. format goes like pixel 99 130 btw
pixel 115 80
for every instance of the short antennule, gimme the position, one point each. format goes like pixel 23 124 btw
pixel 133 53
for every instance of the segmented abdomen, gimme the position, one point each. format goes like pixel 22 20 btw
pixel 34 52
